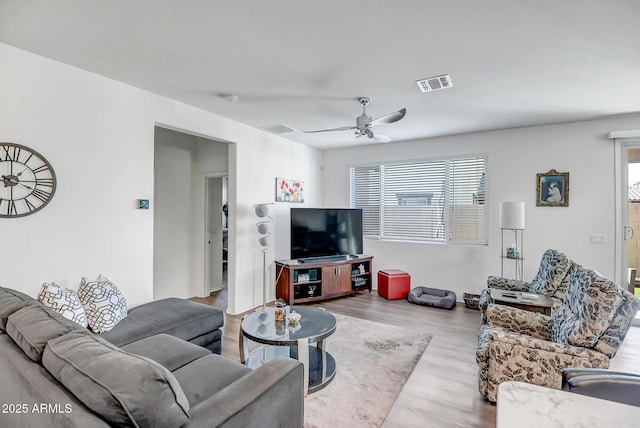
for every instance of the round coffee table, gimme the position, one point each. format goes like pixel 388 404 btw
pixel 282 338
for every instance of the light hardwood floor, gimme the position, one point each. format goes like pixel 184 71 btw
pixel 442 391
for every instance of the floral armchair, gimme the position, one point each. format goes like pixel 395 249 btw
pixel 551 280
pixel 585 331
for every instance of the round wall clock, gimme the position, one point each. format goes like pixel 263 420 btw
pixel 28 181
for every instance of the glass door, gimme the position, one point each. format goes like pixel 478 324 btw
pixel 631 231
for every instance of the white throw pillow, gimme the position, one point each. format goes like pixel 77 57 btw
pixel 63 301
pixel 103 302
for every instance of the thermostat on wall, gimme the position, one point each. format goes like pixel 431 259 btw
pixel 143 204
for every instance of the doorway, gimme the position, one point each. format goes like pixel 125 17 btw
pixel 627 162
pixel 632 230
pixel 216 232
pixel 182 163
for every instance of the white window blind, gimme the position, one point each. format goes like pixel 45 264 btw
pixel 436 200
pixel 365 194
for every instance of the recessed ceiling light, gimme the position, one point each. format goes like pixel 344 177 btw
pixel 434 83
pixel 232 98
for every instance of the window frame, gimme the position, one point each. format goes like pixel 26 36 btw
pixel 447 196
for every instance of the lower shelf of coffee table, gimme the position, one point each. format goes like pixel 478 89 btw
pixel 322 366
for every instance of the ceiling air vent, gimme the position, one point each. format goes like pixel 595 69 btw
pixel 278 129
pixel 435 83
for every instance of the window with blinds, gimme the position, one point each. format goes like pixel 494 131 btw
pixel 433 200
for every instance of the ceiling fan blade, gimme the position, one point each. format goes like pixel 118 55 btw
pixel 342 128
pixel 390 118
pixel 380 137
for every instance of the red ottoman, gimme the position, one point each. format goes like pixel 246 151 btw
pixel 393 284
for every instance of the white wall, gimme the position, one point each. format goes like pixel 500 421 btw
pixel 257 169
pixel 99 136
pixel 515 156
pixel 172 205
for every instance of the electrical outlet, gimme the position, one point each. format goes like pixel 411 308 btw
pixel 598 238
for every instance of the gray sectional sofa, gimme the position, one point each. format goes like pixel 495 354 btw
pixel 193 322
pixel 156 368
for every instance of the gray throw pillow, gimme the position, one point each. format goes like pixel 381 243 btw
pixel 124 389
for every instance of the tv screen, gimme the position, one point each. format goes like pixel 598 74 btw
pixel 317 232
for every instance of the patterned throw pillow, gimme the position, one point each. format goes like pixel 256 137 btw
pixel 103 302
pixel 63 301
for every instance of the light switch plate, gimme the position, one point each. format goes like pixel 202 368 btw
pixel 598 238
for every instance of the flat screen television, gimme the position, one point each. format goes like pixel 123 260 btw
pixel 320 232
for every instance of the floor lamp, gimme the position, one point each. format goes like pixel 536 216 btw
pixel 262 211
pixel 512 218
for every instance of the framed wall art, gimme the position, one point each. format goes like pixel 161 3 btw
pixel 289 190
pixel 552 189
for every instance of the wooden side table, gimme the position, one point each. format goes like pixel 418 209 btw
pixel 517 299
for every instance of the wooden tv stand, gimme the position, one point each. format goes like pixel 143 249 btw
pixel 322 279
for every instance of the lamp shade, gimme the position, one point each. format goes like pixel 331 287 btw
pixel 512 215
pixel 263 227
pixel 262 210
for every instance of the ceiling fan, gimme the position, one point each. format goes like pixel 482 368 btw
pixel 364 124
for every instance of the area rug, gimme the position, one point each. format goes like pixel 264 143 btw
pixel 373 362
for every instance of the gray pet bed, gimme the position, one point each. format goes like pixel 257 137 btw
pixel 432 297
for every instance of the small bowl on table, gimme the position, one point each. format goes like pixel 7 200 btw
pixel 294 317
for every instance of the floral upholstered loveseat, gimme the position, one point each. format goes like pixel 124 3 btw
pixel 551 280
pixel 585 331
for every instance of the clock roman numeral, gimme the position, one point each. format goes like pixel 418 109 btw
pixel 41 168
pixel 30 206
pixel 11 208
pixel 45 182
pixel 11 153
pixel 43 195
